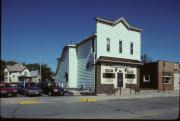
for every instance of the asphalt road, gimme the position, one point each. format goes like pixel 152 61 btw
pixel 143 108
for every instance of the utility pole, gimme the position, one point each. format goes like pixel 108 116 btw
pixel 40 69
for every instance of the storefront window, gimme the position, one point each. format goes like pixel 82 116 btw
pixel 130 76
pixel 108 75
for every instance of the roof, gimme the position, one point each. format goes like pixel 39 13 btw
pixel 16 68
pixel 73 46
pixel 34 73
pixel 113 23
pixel 118 60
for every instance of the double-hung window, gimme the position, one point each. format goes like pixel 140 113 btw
pixel 131 48
pixel 120 46
pixel 108 44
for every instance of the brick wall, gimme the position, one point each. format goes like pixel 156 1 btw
pixel 168 67
pixel 101 88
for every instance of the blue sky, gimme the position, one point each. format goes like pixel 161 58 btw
pixel 34 28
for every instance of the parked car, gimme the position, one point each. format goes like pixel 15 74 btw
pixel 51 88
pixel 29 89
pixel 7 90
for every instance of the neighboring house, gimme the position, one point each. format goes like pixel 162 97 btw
pixel 160 75
pixel 16 73
pixel 35 76
pixel 108 59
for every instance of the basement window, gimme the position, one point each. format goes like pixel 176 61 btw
pixel 146 78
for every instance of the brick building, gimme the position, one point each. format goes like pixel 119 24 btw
pixel 160 75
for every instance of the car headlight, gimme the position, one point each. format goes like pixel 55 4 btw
pixel 55 90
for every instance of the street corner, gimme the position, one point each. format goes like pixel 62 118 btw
pixel 25 102
pixel 88 100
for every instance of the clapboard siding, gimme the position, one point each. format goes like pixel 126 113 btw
pixel 116 33
pixel 64 67
pixel 85 76
pixel 72 68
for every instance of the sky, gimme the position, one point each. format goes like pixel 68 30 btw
pixel 34 29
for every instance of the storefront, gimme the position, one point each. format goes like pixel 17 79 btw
pixel 112 73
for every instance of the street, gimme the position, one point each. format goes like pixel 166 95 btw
pixel 51 107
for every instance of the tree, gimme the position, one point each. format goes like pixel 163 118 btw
pixel 146 59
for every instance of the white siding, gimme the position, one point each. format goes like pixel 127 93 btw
pixel 64 67
pixel 72 68
pixel 85 76
pixel 116 33
pixel 13 76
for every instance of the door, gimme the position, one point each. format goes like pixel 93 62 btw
pixel 120 79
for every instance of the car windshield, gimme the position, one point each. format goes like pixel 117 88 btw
pixel 5 85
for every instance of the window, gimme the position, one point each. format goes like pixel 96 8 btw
pixel 130 76
pixel 120 46
pixel 108 75
pixel 108 44
pixel 166 79
pixel 6 73
pixel 146 78
pixel 25 73
pixel 131 48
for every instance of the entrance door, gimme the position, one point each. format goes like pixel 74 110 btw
pixel 120 79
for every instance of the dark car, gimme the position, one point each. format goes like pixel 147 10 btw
pixel 7 90
pixel 51 88
pixel 29 89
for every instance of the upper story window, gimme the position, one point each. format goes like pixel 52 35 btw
pixel 108 44
pixel 131 48
pixel 120 46
pixel 25 73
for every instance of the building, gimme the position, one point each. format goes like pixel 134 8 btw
pixel 160 75
pixel 16 73
pixel 108 59
pixel 35 76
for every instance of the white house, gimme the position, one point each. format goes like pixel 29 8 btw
pixel 108 59
pixel 13 73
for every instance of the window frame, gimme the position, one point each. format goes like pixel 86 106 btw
pixel 108 44
pixel 169 81
pixel 147 81
pixel 131 48
pixel 120 46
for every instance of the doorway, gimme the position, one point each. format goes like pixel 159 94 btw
pixel 120 79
